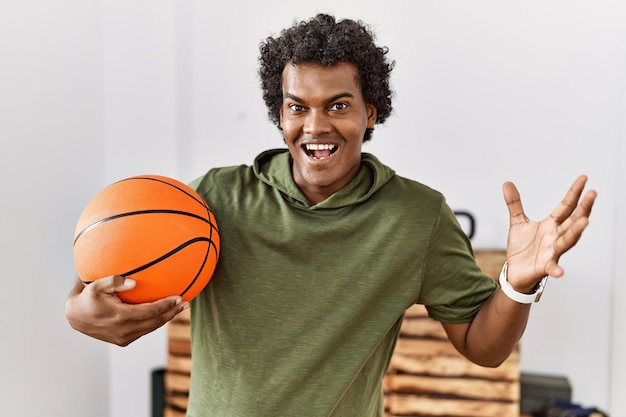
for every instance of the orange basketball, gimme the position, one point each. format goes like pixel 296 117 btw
pixel 153 229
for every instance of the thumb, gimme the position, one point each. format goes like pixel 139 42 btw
pixel 513 202
pixel 112 284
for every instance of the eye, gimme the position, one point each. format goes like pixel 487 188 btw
pixel 296 108
pixel 339 106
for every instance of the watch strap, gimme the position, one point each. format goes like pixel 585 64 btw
pixel 519 297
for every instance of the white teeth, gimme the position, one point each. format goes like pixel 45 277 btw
pixel 319 147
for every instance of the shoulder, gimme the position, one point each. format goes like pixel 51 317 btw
pixel 220 177
pixel 416 187
pixel 222 187
pixel 389 185
pixel 413 194
pixel 265 164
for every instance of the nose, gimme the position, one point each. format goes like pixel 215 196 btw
pixel 316 123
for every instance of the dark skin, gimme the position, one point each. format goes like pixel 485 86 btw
pixel 324 106
pixel 324 117
pixel 97 311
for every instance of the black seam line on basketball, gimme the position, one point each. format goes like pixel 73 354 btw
pixel 206 257
pixel 193 281
pixel 202 203
pixel 167 255
pixel 134 213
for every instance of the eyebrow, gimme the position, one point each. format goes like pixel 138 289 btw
pixel 331 99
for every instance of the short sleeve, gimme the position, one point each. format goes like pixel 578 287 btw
pixel 453 287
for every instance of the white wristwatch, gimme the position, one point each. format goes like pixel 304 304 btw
pixel 518 296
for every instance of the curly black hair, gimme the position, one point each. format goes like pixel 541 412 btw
pixel 325 41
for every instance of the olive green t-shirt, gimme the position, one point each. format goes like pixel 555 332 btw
pixel 302 314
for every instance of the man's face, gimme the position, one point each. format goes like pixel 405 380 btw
pixel 324 118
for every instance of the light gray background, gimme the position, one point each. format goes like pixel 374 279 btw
pixel 486 91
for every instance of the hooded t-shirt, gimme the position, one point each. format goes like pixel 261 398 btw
pixel 303 311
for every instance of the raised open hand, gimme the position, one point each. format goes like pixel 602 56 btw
pixel 534 248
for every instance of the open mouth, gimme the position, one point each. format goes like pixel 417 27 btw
pixel 320 150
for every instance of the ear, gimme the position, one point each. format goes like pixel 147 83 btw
pixel 280 118
pixel 371 115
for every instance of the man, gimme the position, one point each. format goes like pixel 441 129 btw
pixel 324 248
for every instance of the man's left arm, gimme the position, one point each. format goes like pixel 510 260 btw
pixel 533 251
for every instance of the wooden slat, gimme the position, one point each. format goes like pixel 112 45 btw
pixel 178 330
pixel 425 347
pixel 179 364
pixel 453 366
pixel 177 402
pixel 170 412
pixel 466 388
pixel 176 382
pixel 179 347
pixel 422 327
pixel 408 405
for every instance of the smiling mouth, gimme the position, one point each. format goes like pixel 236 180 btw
pixel 320 150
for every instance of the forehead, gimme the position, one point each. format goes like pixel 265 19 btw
pixel 315 80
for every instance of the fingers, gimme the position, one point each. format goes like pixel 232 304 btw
pixel 586 204
pixel 109 286
pixel 582 211
pixel 588 201
pixel 571 235
pixel 572 227
pixel 77 287
pixel 159 311
pixel 145 318
pixel 573 215
pixel 136 320
pixel 554 270
pixel 112 284
pixel 568 205
pixel 564 243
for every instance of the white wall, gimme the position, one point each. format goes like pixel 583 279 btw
pixel 486 91
pixel 50 162
pixel 618 353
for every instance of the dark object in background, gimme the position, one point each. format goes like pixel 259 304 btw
pixel 537 389
pixel 158 392
pixel 471 222
pixel 562 408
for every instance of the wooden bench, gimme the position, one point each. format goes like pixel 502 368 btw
pixel 427 377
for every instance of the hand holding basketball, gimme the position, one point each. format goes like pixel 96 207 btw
pixel 97 311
